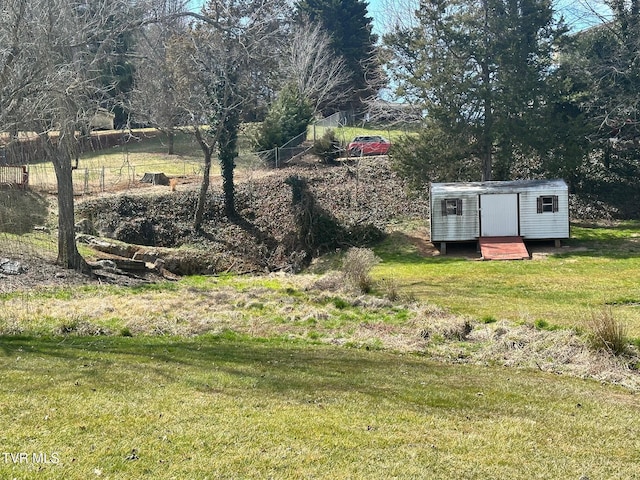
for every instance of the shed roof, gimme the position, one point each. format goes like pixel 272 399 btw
pixel 512 186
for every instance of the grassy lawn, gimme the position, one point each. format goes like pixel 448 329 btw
pixel 145 151
pixel 232 407
pixel 600 269
pixel 264 377
pixel 273 377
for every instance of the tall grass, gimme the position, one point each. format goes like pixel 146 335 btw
pixel 607 332
pixel 356 267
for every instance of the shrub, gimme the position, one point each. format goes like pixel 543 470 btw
pixel 608 333
pixel 327 148
pixel 487 319
pixel 541 324
pixel 356 267
pixel 287 118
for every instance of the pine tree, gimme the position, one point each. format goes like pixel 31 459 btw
pixel 481 71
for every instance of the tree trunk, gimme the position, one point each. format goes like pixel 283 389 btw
pixel 227 153
pixel 202 196
pixel 228 165
pixel 487 128
pixel 68 255
pixel 207 150
pixel 171 140
pixel 487 161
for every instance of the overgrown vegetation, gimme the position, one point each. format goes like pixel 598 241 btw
pixel 608 333
pixel 357 265
pixel 327 148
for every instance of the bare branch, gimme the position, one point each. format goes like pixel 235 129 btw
pixel 318 74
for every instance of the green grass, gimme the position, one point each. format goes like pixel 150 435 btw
pixel 603 268
pixel 346 134
pixel 146 151
pixel 235 377
pixel 267 306
pixel 230 407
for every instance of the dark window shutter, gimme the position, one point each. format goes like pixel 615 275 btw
pixel 443 203
pixel 539 199
pixel 459 206
pixel 555 203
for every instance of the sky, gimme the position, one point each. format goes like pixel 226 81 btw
pixel 578 14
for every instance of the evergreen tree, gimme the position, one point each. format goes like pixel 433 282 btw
pixel 602 69
pixel 287 118
pixel 351 38
pixel 481 71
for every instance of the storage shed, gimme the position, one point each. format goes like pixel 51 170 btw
pixel 526 209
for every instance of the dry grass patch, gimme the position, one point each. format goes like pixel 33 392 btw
pixel 608 333
pixel 299 307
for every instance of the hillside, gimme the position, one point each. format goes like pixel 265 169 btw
pixel 350 204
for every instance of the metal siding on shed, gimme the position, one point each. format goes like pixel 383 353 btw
pixel 454 228
pixel 533 225
pixel 546 225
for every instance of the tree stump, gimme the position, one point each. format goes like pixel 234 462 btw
pixel 155 178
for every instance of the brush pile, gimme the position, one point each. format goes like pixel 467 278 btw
pixel 350 204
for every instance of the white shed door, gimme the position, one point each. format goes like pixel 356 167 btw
pixel 499 215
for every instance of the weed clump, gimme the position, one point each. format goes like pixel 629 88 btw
pixel 81 328
pixel 356 267
pixel 390 288
pixel 608 333
pixel 450 329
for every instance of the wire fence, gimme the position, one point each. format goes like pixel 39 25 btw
pixel 94 176
pixel 332 122
pixel 25 212
pixel 14 176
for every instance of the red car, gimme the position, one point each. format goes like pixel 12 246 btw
pixel 368 145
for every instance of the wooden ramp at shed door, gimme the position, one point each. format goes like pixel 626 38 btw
pixel 503 248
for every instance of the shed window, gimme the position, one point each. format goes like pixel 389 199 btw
pixel 548 203
pixel 451 206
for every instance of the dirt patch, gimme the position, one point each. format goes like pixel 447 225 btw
pixel 40 272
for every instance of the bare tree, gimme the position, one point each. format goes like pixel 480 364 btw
pixel 310 64
pixel 213 68
pixel 156 102
pixel 51 57
pixel 203 67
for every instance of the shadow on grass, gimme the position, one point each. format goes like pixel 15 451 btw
pixel 620 240
pixel 409 249
pixel 280 368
